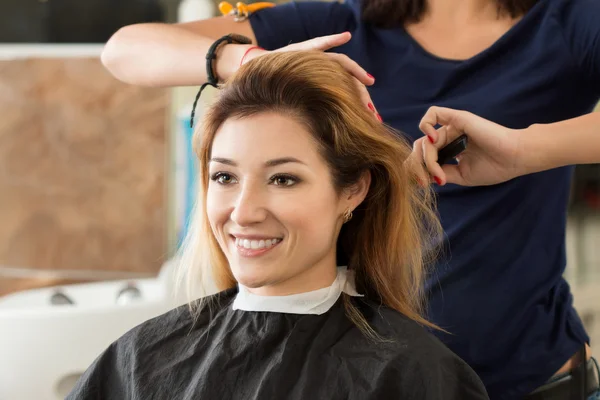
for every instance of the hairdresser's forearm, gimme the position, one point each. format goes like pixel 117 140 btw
pixel 164 55
pixel 570 142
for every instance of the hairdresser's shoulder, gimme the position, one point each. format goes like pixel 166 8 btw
pixel 421 358
pixel 573 5
pixel 578 20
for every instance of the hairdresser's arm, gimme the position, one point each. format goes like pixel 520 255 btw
pixel 496 154
pixel 570 142
pixel 165 55
pixel 154 54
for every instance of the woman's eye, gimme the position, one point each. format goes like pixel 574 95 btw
pixel 223 178
pixel 284 180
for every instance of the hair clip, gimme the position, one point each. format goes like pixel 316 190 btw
pixel 242 11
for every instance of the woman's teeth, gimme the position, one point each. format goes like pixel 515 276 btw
pixel 256 244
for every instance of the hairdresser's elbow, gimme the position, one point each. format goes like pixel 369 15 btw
pixel 111 54
pixel 119 59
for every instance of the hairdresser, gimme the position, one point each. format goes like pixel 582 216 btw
pixel 520 78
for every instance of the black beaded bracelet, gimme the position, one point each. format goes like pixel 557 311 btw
pixel 213 79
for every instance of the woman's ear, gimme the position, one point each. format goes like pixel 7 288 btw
pixel 356 193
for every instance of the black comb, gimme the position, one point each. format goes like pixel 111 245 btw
pixel 452 149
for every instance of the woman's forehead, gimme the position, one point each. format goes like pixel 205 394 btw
pixel 264 138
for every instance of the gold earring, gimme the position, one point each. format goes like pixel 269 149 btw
pixel 347 215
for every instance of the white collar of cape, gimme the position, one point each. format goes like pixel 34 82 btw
pixel 316 302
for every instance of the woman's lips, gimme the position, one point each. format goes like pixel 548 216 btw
pixel 255 247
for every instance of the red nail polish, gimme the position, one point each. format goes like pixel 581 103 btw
pixel 371 107
pixel 379 118
pixel 430 138
pixel 370 76
pixel 437 180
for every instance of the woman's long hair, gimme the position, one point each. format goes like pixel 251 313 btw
pixel 394 232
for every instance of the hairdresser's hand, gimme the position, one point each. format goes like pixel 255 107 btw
pixel 493 155
pixel 324 43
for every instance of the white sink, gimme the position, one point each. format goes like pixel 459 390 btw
pixel 44 348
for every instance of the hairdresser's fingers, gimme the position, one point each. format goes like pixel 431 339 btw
pixel 324 43
pixel 464 122
pixel 416 163
pixel 354 68
pixel 319 43
pixel 430 157
pixel 366 99
pixel 444 135
pixel 417 160
pixel 455 127
pixel 441 116
pixel 454 175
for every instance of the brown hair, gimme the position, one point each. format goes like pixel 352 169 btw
pixel 393 233
pixel 396 13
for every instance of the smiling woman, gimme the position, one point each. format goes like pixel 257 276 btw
pixel 317 237
pixel 274 204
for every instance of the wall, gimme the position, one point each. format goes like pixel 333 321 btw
pixel 82 171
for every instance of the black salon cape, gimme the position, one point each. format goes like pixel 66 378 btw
pixel 265 355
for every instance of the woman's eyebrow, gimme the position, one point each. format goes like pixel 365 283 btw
pixel 222 160
pixel 271 163
pixel 283 160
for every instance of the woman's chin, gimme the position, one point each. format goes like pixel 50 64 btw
pixel 252 279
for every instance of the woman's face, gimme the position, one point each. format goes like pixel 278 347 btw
pixel 272 206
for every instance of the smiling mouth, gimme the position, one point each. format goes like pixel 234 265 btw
pixel 254 247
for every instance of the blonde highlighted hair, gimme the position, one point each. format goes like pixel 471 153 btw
pixel 393 235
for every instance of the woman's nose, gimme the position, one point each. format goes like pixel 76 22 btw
pixel 249 207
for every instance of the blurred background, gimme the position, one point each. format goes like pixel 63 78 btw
pixel 87 164
pixel 97 181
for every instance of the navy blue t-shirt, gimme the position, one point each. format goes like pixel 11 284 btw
pixel 500 289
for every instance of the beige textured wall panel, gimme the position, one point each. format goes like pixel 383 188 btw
pixel 82 168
